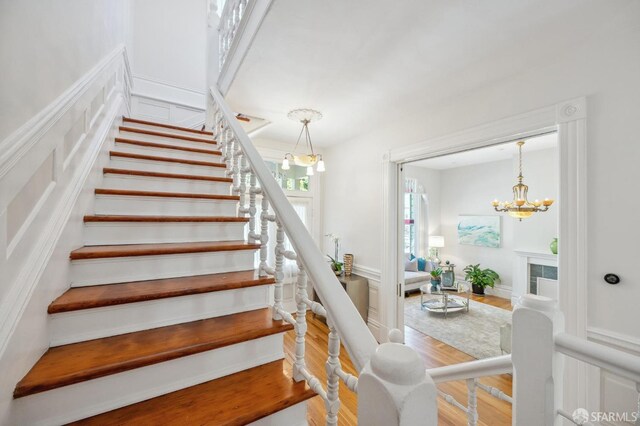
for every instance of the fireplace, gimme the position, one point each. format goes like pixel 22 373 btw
pixel 535 273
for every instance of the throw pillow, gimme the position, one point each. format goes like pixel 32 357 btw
pixel 422 264
pixel 411 265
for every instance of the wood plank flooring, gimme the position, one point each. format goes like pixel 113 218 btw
pixel 491 411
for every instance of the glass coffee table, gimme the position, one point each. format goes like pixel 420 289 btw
pixel 444 301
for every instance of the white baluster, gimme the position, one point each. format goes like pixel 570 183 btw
pixel 264 236
pixel 245 170
pixel 279 276
pixel 332 403
pixel 301 323
pixel 472 403
pixel 230 156
pixel 253 190
pixel 537 367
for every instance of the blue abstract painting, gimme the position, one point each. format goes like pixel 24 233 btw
pixel 481 231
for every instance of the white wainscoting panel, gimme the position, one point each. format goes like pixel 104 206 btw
pixel 160 101
pixel 45 167
pixel 373 320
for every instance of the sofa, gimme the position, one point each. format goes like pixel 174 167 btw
pixel 417 272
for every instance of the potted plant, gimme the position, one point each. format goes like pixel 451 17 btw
pixel 336 266
pixel 480 278
pixel 436 276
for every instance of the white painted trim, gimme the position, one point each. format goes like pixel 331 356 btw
pixel 245 34
pixel 367 272
pixel 22 289
pixel 569 119
pixel 168 101
pixel 17 144
pixel 173 85
pixel 616 340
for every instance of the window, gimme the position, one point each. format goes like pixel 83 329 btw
pixel 411 217
pixel 294 179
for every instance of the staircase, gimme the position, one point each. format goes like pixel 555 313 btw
pixel 166 320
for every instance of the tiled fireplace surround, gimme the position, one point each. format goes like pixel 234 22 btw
pixel 529 267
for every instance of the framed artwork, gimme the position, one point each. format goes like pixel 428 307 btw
pixel 483 231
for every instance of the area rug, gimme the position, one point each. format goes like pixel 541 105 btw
pixel 476 332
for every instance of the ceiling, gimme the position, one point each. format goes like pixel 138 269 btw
pixel 503 151
pixel 363 62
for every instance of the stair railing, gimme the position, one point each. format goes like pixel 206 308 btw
pixel 230 18
pixel 539 345
pixel 381 367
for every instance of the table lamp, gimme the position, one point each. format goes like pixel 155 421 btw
pixel 436 242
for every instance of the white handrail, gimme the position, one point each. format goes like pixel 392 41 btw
pixel 613 360
pixel 357 338
pixel 472 369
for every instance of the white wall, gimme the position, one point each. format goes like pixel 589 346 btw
pixel 353 186
pixel 168 48
pixel 45 46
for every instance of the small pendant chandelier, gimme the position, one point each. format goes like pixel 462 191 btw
pixel 305 116
pixel 521 207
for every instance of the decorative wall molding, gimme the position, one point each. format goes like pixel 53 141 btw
pixel 161 82
pixel 17 144
pixel 32 248
pixel 616 340
pixel 371 274
pixel 162 101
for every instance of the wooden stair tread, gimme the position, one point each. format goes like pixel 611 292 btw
pixel 139 193
pixel 78 362
pixel 126 250
pixel 160 219
pixel 166 135
pixel 166 126
pixel 166 159
pixel 110 170
pixel 233 400
pixel 79 298
pixel 165 146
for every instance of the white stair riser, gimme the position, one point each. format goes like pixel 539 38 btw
pixel 87 324
pixel 163 139
pixel 164 206
pixel 166 152
pixel 114 270
pixel 165 167
pixel 75 402
pixel 296 415
pixel 165 130
pixel 147 183
pixel 106 233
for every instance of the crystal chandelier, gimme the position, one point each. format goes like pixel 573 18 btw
pixel 520 207
pixel 305 116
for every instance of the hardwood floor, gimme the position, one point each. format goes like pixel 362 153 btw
pixel 491 411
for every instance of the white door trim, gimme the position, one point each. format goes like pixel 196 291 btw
pixel 569 119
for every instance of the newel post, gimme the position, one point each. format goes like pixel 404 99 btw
pixel 537 367
pixel 394 389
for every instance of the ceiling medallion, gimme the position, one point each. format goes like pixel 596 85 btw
pixel 520 207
